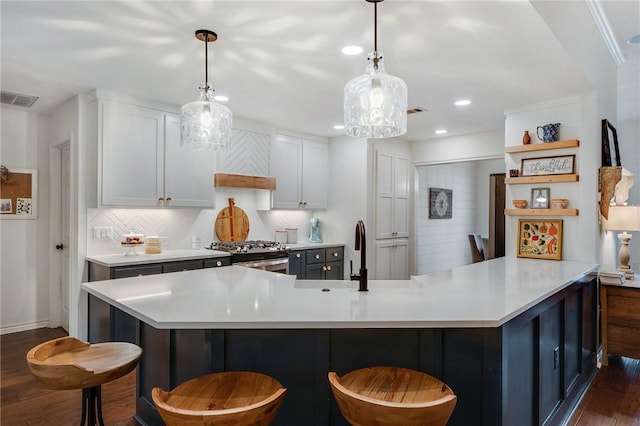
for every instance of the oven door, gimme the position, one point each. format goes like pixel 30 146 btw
pixel 280 265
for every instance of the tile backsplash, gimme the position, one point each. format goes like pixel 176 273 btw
pixel 179 225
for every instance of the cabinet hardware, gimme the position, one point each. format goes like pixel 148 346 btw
pixel 59 246
pixel 161 199
pixel 297 255
pixel 328 268
pixel 324 268
pixel 168 198
pixel 218 263
pixel 317 256
pixel 335 254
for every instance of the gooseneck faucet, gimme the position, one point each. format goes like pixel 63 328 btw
pixel 361 244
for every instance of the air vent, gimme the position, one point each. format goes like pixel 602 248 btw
pixel 415 110
pixel 18 99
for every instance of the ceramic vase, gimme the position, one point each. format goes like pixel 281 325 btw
pixel 526 139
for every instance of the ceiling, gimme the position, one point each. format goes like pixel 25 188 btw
pixel 280 62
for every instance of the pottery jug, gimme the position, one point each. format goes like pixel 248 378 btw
pixel 526 139
pixel 549 132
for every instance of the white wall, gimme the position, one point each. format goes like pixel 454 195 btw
pixel 24 249
pixel 474 146
pixel 628 142
pixel 579 120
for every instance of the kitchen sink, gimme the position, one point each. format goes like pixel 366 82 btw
pixel 353 285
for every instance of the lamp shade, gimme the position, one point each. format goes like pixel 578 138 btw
pixel 205 123
pixel 375 103
pixel 623 218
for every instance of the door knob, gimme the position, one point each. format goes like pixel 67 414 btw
pixel 59 246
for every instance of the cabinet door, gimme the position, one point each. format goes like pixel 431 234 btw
pixel 315 271
pixel 297 264
pixel 384 195
pixel 392 260
pixel 392 194
pixel 132 157
pixel 334 271
pixel 188 173
pixel 315 175
pixel 401 196
pixel 286 167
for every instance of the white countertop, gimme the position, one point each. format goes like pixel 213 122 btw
pixel 484 294
pixel 121 259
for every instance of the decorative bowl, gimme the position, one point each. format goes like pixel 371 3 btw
pixel 559 203
pixel 520 204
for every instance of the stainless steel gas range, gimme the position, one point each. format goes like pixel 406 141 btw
pixel 266 255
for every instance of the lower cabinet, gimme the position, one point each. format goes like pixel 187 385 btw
pixel 325 263
pixel 109 324
pixel 392 260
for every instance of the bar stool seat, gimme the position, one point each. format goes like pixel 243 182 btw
pixel 68 363
pixel 392 396
pixel 228 398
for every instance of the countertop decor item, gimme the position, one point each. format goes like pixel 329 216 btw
pixel 375 103
pixel 625 219
pixel 232 223
pixel 314 237
pixel 205 123
pixel 526 139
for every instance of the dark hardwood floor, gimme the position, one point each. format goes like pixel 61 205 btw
pixel 25 402
pixel 612 400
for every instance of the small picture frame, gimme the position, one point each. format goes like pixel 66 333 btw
pixel 540 198
pixel 540 239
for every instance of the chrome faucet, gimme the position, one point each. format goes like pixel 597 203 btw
pixel 361 244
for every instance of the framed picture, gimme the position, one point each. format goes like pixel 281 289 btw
pixel 610 151
pixel 440 203
pixel 558 165
pixel 540 198
pixel 18 193
pixel 540 239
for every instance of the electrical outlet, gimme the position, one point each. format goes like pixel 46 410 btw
pixel 102 233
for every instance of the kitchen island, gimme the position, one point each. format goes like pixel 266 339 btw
pixel 514 338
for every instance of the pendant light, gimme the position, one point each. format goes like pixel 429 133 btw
pixel 375 103
pixel 205 124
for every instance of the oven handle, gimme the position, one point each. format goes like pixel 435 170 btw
pixel 262 263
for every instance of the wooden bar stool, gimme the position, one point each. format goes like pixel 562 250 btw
pixel 228 398
pixel 392 396
pixel 68 363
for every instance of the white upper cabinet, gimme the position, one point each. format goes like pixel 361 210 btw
pixel 301 171
pixel 188 173
pixel 142 164
pixel 392 194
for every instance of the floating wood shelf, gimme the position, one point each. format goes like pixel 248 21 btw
pixel 244 181
pixel 569 143
pixel 541 212
pixel 542 179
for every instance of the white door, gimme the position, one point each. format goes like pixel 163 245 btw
pixel 65 211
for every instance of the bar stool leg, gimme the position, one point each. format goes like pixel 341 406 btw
pixel 92 406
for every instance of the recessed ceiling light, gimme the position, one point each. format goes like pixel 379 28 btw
pixel 441 131
pixel 338 127
pixel 221 98
pixel 462 102
pixel 635 40
pixel 352 50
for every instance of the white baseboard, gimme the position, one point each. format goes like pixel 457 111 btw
pixel 24 327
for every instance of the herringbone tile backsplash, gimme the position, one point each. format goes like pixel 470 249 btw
pixel 179 225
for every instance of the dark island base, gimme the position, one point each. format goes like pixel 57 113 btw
pixel 531 371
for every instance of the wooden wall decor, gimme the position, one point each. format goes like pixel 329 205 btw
pixel 609 177
pixel 18 194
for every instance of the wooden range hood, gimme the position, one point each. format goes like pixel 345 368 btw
pixel 244 181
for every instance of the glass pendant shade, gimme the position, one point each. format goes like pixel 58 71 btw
pixel 375 103
pixel 205 124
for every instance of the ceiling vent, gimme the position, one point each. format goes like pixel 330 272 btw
pixel 18 99
pixel 415 110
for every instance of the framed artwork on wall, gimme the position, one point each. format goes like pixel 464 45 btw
pixel 440 203
pixel 540 198
pixel 540 239
pixel 610 150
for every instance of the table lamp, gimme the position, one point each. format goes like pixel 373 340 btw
pixel 625 219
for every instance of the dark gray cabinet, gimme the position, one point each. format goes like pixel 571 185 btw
pixel 324 264
pixel 98 272
pixel 297 264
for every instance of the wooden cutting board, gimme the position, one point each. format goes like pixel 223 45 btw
pixel 232 223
